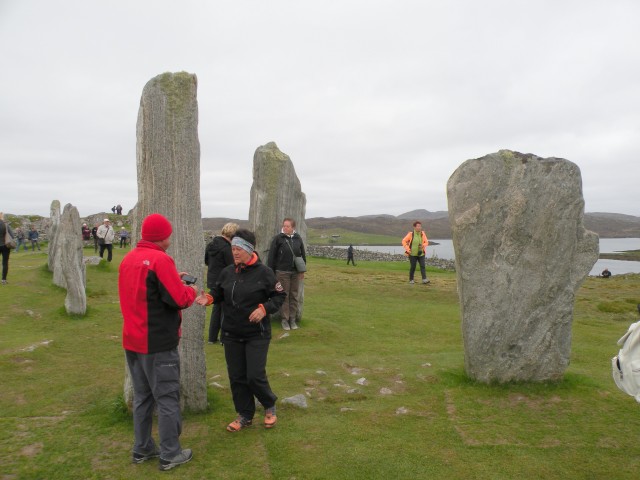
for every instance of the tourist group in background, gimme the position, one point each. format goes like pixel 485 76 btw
pixel 10 239
pixel 117 209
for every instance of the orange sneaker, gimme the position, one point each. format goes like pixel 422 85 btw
pixel 270 417
pixel 238 424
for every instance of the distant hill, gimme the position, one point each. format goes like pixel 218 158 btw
pixel 436 224
pixel 613 225
pixel 424 215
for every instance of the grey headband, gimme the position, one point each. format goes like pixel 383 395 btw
pixel 243 244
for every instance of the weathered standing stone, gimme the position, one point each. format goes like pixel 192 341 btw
pixel 72 265
pixel 275 195
pixel 53 260
pixel 168 160
pixel 521 253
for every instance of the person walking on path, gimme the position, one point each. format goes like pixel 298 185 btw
pixel 249 292
pixel 285 247
pixel 350 256
pixel 415 247
pixel 106 235
pixel 218 256
pixel 4 249
pixel 33 238
pixel 152 294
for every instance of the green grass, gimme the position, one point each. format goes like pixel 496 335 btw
pixel 62 417
pixel 324 237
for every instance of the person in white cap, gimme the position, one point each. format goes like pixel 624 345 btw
pixel 105 239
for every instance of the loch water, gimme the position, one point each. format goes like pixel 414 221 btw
pixel 444 249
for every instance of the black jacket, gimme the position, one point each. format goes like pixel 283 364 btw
pixel 282 251
pixel 240 290
pixel 217 256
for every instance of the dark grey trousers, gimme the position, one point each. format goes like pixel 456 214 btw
pixel 247 368
pixel 156 381
pixel 412 266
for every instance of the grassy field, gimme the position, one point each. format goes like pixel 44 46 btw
pixel 346 237
pixel 417 416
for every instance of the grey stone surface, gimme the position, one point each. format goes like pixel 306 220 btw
pixel 299 400
pixel 168 164
pixel 53 254
pixel 276 194
pixel 71 260
pixel 521 253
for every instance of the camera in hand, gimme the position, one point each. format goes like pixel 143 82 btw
pixel 189 280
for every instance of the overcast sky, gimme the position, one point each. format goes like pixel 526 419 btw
pixel 376 102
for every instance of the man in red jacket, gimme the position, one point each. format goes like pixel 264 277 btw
pixel 151 296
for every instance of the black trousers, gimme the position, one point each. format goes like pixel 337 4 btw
pixel 412 266
pixel 246 365
pixel 5 251
pixel 109 248
pixel 214 324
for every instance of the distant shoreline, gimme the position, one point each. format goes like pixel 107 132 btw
pixel 628 255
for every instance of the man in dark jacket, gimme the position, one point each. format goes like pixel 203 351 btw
pixel 284 248
pixel 216 258
pixel 151 297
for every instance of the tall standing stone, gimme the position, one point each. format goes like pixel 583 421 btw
pixel 276 194
pixel 54 215
pixel 168 161
pixel 521 253
pixel 72 265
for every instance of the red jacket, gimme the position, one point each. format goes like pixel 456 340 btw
pixel 151 297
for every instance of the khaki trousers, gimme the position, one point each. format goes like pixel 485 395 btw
pixel 290 282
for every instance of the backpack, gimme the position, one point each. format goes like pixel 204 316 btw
pixel 626 365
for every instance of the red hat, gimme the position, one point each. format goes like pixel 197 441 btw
pixel 156 228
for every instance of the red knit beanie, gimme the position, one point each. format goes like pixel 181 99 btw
pixel 156 228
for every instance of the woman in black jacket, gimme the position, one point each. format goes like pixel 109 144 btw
pixel 217 257
pixel 248 292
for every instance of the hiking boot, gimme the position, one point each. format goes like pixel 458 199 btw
pixel 143 457
pixel 285 325
pixel 294 325
pixel 238 424
pixel 425 281
pixel 183 457
pixel 270 418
